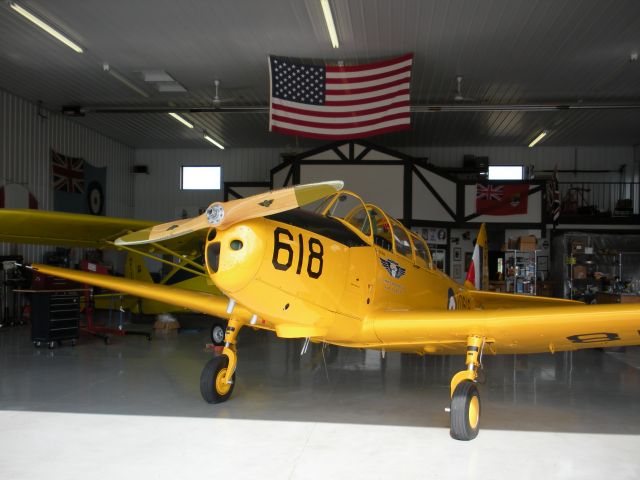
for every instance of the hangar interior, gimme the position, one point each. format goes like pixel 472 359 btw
pixel 153 84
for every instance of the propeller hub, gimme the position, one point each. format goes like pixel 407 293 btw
pixel 215 214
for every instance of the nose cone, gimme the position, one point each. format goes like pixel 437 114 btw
pixel 233 257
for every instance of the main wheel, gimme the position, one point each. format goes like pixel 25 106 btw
pixel 465 411
pixel 218 330
pixel 212 385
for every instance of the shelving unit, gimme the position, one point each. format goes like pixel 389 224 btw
pixel 585 264
pixel 520 271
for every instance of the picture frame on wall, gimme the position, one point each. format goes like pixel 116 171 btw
pixel 456 271
pixel 457 254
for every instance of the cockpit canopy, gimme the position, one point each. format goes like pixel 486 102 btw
pixel 376 226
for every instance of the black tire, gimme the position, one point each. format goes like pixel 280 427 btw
pixel 465 411
pixel 210 385
pixel 218 330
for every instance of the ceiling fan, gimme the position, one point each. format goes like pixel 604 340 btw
pixel 216 101
pixel 459 97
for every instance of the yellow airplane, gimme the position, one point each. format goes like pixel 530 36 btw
pixel 349 275
pixel 99 232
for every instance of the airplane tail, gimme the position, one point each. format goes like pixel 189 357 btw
pixel 135 268
pixel 478 274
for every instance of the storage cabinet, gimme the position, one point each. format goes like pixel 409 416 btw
pixel 520 271
pixel 55 316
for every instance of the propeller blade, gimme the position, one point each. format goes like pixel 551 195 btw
pixel 222 215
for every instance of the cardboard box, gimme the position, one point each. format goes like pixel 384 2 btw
pixel 527 243
pixel 579 272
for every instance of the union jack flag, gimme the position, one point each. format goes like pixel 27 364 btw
pixel 68 173
pixel 489 192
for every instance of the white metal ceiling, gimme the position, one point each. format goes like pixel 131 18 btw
pixel 508 52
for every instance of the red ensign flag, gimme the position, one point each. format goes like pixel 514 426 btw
pixel 339 102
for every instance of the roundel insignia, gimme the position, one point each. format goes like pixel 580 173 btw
pixel 95 198
pixel 451 300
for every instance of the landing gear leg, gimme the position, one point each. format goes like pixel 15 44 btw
pixel 465 398
pixel 218 375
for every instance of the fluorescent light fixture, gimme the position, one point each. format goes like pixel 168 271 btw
pixel 200 178
pixel 328 18
pixel 209 139
pixel 538 138
pixel 115 74
pixel 50 30
pixel 506 172
pixel 181 120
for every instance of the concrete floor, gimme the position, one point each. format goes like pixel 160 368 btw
pixel 134 408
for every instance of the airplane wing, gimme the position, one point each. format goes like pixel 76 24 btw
pixel 59 228
pixel 530 329
pixel 207 303
pixel 78 230
pixel 490 300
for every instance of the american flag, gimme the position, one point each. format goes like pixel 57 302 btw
pixel 68 173
pixel 489 192
pixel 339 102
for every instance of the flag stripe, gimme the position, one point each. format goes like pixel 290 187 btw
pixel 338 90
pixel 342 131
pixel 366 100
pixel 377 67
pixel 336 107
pixel 404 72
pixel 340 112
pixel 335 124
pixel 341 117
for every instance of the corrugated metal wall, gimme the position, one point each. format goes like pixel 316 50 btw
pixel 27 135
pixel 158 195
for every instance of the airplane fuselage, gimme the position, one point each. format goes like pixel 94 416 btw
pixel 310 275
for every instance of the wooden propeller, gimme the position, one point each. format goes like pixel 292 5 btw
pixel 222 215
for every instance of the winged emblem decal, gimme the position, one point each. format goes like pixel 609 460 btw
pixel 395 270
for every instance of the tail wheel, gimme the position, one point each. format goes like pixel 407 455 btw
pixel 212 385
pixel 465 411
pixel 218 330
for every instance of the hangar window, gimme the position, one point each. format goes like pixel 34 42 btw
pixel 200 177
pixel 506 172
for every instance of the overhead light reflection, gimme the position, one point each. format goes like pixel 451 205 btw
pixel 181 120
pixel 328 18
pixel 50 30
pixel 538 138
pixel 209 139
